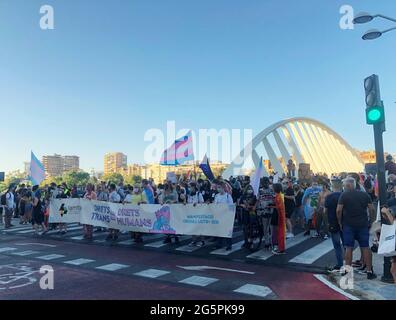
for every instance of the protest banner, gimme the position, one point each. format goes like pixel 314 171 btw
pixel 206 220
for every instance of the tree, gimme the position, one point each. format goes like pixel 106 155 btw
pixel 78 178
pixel 116 178
pixel 49 180
pixel 133 179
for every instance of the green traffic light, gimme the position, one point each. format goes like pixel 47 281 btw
pixel 374 115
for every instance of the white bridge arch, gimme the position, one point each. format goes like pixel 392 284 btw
pixel 303 140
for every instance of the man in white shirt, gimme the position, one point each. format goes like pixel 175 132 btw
pixel 114 197
pixel 9 207
pixel 223 197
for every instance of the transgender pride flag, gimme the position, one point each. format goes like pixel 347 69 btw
pixel 37 172
pixel 179 152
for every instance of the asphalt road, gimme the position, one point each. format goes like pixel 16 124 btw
pixel 101 270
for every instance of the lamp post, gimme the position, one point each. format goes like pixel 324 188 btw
pixel 373 34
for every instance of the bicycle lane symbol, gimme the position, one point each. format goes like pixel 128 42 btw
pixel 14 276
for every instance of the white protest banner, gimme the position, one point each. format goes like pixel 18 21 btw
pixel 65 211
pixel 206 220
pixel 171 177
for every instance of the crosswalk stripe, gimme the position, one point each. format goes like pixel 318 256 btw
pixel 18 229
pixel 223 252
pixel 199 281
pixel 160 244
pixel 5 249
pixel 187 248
pixel 51 257
pixel 313 254
pixel 25 253
pixel 151 273
pixel 112 267
pixel 265 254
pixel 254 290
pixel 68 230
pixel 79 262
pixel 31 230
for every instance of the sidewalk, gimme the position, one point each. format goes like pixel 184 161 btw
pixel 368 289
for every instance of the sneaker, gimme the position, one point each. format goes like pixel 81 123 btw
pixel 361 270
pixel 334 269
pixel 192 244
pixel 356 264
pixel 289 235
pixel 371 275
pixel 167 240
pixel 325 237
pixel 316 235
pixel 277 252
pixel 200 243
pixel 306 233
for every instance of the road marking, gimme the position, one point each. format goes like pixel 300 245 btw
pixel 187 248
pixel 265 254
pixel 68 229
pixel 26 231
pixel 254 290
pixel 78 238
pixel 152 273
pixel 79 262
pixel 203 268
pixel 321 278
pixel 25 253
pixel 5 249
pixel 51 257
pixel 199 281
pixel 223 252
pixel 35 244
pixel 313 254
pixel 160 244
pixel 17 229
pixel 112 267
pixel 127 242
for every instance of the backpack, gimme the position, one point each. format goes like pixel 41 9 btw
pixel 4 199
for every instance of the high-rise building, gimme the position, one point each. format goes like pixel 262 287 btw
pixel 57 165
pixel 53 165
pixel 115 162
pixel 71 163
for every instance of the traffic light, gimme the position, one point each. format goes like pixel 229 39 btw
pixel 375 112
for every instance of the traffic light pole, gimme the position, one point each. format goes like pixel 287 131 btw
pixel 379 128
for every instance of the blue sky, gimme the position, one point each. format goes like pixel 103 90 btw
pixel 113 69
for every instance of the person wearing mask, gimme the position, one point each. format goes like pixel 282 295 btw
pixel 89 195
pixel 170 196
pixel 388 213
pixel 321 221
pixel 9 206
pixel 114 197
pixel 195 197
pixel 390 165
pixel 281 220
pixel 223 197
pixel 290 205
pixel 38 213
pixel 330 210
pixel 248 203
pixel 265 207
pixel 136 197
pixel 353 221
pixel 148 191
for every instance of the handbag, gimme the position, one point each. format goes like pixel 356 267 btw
pixel 387 244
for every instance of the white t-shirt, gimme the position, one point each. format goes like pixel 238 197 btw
pixel 197 198
pixel 114 197
pixel 10 200
pixel 223 198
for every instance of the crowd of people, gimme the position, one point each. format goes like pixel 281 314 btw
pixel 340 207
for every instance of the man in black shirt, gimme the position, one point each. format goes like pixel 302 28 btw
pixel 354 223
pixel 330 210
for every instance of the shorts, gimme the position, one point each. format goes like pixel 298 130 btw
pixel 289 213
pixel 352 234
pixel 37 218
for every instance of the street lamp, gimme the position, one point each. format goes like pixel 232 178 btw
pixel 373 34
